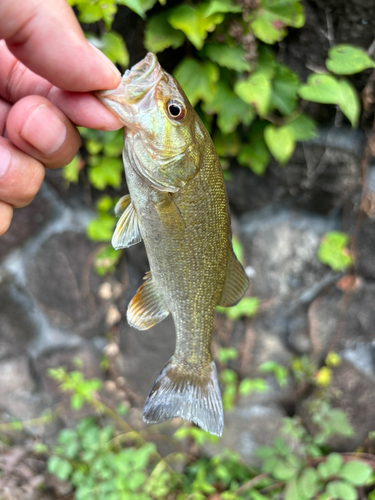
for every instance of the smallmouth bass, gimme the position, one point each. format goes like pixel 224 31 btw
pixel 178 206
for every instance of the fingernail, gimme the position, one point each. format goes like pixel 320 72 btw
pixel 108 62
pixel 5 158
pixel 44 130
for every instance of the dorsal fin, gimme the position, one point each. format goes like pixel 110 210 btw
pixel 236 285
pixel 146 308
pixel 127 229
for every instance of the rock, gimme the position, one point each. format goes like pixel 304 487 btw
pixel 84 358
pixel 61 278
pixel 17 327
pixel 281 246
pixel 19 397
pixel 357 399
pixel 255 421
pixel 365 255
pixel 144 353
pixel 341 323
pixel 27 222
pixel 321 175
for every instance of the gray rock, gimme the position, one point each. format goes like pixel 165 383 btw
pixel 281 245
pixel 255 421
pixel 61 278
pixel 144 353
pixel 17 327
pixel 357 399
pixel 342 324
pixel 27 222
pixel 321 175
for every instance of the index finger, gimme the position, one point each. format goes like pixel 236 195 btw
pixel 48 39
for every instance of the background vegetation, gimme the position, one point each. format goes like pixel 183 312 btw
pixel 255 108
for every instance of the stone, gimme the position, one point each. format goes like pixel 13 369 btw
pixel 61 278
pixel 84 358
pixel 27 222
pixel 144 353
pixel 321 175
pixel 343 323
pixel 17 327
pixel 356 397
pixel 255 421
pixel 281 245
pixel 365 256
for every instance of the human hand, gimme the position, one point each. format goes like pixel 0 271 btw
pixel 47 69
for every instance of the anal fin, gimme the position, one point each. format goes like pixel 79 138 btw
pixel 146 308
pixel 127 229
pixel 236 285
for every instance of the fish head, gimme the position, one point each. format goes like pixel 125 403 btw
pixel 160 124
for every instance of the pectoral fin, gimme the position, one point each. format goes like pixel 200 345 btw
pixel 146 308
pixel 127 229
pixel 236 285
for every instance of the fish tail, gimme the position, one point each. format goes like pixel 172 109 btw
pixel 182 392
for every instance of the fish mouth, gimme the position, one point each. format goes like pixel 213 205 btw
pixel 135 84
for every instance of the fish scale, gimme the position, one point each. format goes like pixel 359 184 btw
pixel 178 206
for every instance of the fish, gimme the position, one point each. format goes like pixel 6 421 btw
pixel 178 206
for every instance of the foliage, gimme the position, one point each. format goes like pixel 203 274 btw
pixel 249 100
pixel 333 251
pixel 106 459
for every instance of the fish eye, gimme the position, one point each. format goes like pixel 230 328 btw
pixel 176 110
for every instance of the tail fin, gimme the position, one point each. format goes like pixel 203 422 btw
pixel 180 393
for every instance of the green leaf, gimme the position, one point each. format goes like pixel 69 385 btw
pixel 160 35
pixel 215 6
pixel 291 490
pixel 284 90
pixel 269 20
pixel 228 57
pixel 349 102
pixel 247 306
pixel 302 128
pixel 255 155
pixel 280 141
pixel 114 48
pixel 231 109
pixel 248 385
pixel 237 248
pixel 228 376
pixel 106 172
pixel 71 171
pixel 226 354
pixel 194 22
pixel 112 45
pixel 197 79
pixel 113 143
pixel 256 90
pixel 341 490
pixel 106 260
pixel 333 251
pixel 331 466
pixel 226 144
pixel 279 371
pixel 93 12
pixel 327 89
pixel 101 228
pixel 59 467
pixel 346 59
pixel 356 472
pixel 284 470
pixel 308 483
pixel 138 6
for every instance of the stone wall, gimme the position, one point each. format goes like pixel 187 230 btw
pixel 54 308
